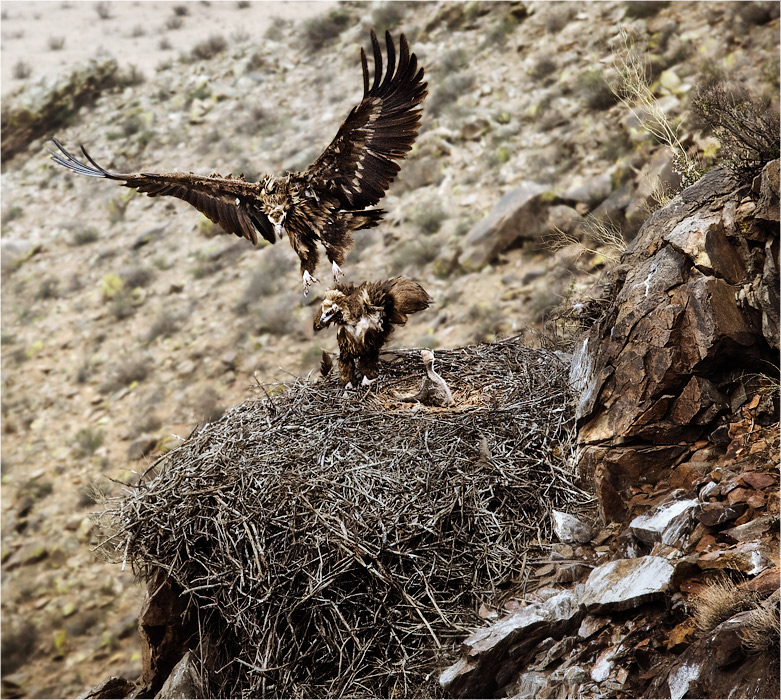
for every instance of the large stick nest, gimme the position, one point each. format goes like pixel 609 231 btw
pixel 338 545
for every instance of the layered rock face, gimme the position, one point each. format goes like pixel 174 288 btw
pixel 695 321
pixel 678 434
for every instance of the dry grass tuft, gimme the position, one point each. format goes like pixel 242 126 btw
pixel 763 625
pixel 339 546
pixel 719 602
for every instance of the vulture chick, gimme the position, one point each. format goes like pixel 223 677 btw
pixel 366 316
pixel 434 391
pixel 328 201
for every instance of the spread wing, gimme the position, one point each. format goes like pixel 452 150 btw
pixel 229 202
pixel 360 163
pixel 407 297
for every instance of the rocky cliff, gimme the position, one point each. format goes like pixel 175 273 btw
pixel 678 436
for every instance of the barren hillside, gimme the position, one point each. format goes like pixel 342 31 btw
pixel 128 321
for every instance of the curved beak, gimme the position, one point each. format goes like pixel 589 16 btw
pixel 325 318
pixel 279 230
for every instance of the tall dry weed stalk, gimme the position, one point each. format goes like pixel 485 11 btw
pixel 634 91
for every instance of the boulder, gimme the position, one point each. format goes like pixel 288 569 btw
pixel 112 687
pixel 520 214
pixel 14 252
pixel 44 106
pixel 767 204
pixel 475 674
pixel 569 529
pixel 184 681
pixel 667 522
pixel 626 583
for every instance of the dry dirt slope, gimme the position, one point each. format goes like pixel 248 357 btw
pixel 125 322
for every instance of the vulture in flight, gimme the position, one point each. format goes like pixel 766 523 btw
pixel 329 200
pixel 366 316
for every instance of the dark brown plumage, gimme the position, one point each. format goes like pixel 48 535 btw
pixel 329 200
pixel 326 365
pixel 366 316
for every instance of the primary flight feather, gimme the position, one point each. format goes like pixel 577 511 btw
pixel 328 201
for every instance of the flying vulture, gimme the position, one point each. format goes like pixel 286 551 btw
pixel 326 202
pixel 434 391
pixel 366 316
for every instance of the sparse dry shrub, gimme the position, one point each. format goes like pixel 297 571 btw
pixel 277 26
pixel 599 238
pixel 415 253
pixel 388 15
pixel 763 624
pixel 487 319
pixel 718 602
pixel 96 491
pixel 429 218
pixel 56 43
pixel 642 9
pixel 87 441
pixel 207 408
pixel 595 90
pixel 103 10
pixel 19 640
pixel 209 48
pixel 449 90
pixel 49 288
pixel 560 14
pixel 747 128
pixel 543 67
pixel 454 60
pixel 12 213
pixel 634 91
pixel 122 304
pixel 22 70
pixel 276 315
pixel 322 30
pixel 137 276
pixel 174 23
pixel 165 324
pixel 126 372
pixel 265 281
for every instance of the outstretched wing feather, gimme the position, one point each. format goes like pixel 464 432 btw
pixel 360 163
pixel 215 197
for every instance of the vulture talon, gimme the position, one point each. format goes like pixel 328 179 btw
pixel 307 280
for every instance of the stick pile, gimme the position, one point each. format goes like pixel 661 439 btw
pixel 339 546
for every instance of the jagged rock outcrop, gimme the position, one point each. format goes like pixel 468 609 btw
pixel 684 332
pixel 679 436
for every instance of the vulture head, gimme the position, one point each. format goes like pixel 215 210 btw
pixel 333 309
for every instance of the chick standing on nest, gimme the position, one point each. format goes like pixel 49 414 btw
pixel 434 391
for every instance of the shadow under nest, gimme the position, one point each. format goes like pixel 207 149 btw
pixel 334 545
